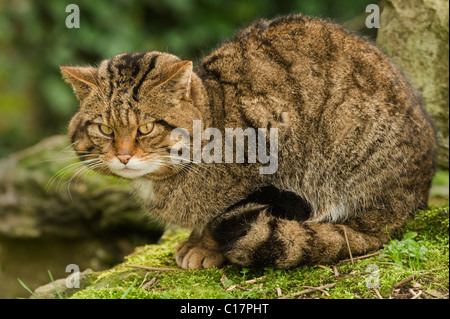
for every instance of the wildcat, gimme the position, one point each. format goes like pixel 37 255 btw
pixel 355 148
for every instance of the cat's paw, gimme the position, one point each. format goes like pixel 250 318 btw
pixel 190 255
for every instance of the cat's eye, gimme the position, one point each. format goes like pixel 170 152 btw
pixel 146 128
pixel 105 130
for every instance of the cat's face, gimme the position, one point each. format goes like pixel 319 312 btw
pixel 128 107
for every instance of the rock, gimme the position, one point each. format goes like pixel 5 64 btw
pixel 49 291
pixel 414 33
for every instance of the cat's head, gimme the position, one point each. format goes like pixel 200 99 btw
pixel 128 107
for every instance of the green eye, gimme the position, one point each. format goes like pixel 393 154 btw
pixel 146 128
pixel 105 130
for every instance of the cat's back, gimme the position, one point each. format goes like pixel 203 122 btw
pixel 314 69
pixel 272 51
pixel 302 60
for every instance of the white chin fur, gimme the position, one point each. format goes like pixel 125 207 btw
pixel 133 169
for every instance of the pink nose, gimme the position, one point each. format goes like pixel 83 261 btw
pixel 124 158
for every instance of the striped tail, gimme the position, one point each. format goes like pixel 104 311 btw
pixel 269 235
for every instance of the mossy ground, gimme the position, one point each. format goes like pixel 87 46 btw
pixel 428 279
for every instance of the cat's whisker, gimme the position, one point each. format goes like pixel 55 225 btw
pixel 184 167
pixel 60 174
pixel 195 168
pixel 74 157
pixel 64 171
pixel 67 148
pixel 88 167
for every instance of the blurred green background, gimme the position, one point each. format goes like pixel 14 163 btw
pixel 34 41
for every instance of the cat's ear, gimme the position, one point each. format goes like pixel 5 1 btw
pixel 179 82
pixel 82 79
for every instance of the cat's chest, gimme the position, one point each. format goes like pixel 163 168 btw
pixel 144 189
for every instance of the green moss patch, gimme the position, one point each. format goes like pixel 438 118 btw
pixel 373 277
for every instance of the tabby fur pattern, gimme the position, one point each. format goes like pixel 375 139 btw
pixel 355 150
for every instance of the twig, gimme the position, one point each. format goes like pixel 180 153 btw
pixel 152 268
pixel 279 292
pixel 404 281
pixel 348 245
pixel 417 295
pixel 324 267
pixel 252 281
pixel 162 288
pixel 362 257
pixel 377 292
pixel 325 292
pixel 306 291
pixel 149 284
pixel 145 279
pixel 335 271
pixel 408 279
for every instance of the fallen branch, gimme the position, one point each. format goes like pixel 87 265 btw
pixel 152 268
pixel 306 291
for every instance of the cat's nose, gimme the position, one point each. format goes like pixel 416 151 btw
pixel 124 158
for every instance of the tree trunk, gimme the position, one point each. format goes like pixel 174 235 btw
pixel 414 33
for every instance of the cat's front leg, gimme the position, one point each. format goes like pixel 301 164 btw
pixel 199 251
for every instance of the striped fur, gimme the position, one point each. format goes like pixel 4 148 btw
pixel 355 147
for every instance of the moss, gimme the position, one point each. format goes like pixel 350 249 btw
pixel 432 224
pixel 231 282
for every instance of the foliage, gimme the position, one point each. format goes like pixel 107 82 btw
pixel 34 42
pixel 406 252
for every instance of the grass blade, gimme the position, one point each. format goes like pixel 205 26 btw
pixel 129 288
pixel 54 285
pixel 27 289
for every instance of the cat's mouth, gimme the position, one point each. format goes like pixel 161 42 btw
pixel 129 173
pixel 133 169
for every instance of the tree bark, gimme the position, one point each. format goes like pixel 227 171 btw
pixel 414 33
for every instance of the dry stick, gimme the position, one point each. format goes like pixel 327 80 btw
pixel 404 281
pixel 377 292
pixel 149 284
pixel 348 245
pixel 335 271
pixel 145 279
pixel 306 291
pixel 412 292
pixel 279 292
pixel 408 279
pixel 324 267
pixel 162 288
pixel 252 281
pixel 362 257
pixel 152 268
pixel 417 295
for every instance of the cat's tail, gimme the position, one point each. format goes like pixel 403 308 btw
pixel 251 236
